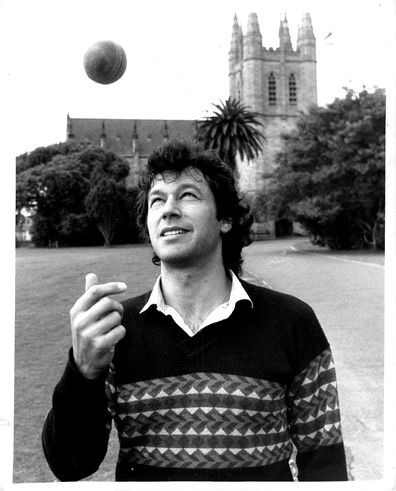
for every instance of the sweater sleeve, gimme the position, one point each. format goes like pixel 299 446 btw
pixel 314 421
pixel 76 430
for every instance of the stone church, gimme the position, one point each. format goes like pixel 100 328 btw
pixel 278 83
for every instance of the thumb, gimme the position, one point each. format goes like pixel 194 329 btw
pixel 90 280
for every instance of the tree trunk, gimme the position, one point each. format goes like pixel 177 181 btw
pixel 107 231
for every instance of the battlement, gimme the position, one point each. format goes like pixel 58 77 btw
pixel 250 43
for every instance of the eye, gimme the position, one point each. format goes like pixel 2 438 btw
pixel 188 194
pixel 155 201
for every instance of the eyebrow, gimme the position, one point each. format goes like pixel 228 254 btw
pixel 179 187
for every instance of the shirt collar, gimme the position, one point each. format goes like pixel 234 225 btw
pixel 155 298
pixel 237 294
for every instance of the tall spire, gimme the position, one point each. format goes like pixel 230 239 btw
pixel 306 41
pixel 252 43
pixel 235 52
pixel 306 48
pixel 284 35
pixel 253 28
pixel 306 30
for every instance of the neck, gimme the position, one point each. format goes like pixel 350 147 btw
pixel 195 292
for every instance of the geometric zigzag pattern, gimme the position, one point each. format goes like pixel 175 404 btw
pixel 201 420
pixel 211 420
pixel 314 414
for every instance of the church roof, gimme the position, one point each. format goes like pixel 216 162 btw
pixel 119 133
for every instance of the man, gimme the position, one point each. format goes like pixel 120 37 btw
pixel 207 377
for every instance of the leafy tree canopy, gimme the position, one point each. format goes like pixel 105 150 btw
pixel 331 174
pixel 43 155
pixel 53 184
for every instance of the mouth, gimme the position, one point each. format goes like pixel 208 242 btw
pixel 168 232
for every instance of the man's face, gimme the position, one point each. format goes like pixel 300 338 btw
pixel 182 221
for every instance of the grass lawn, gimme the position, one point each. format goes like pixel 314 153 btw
pixel 48 281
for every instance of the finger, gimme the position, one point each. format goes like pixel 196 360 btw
pixel 99 335
pixel 92 335
pixel 96 292
pixel 90 280
pixel 114 336
pixel 103 307
pixel 104 324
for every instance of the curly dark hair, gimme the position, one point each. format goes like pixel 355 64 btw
pixel 177 156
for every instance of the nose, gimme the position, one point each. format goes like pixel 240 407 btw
pixel 170 207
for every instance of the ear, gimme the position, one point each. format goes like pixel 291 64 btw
pixel 226 225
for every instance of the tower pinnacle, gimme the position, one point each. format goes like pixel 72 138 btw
pixel 284 35
pixel 235 53
pixel 235 36
pixel 252 42
pixel 253 28
pixel 306 41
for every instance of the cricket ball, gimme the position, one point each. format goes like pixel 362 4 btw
pixel 105 62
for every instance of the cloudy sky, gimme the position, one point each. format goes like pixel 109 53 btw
pixel 177 54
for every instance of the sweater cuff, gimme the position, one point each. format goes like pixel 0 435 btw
pixel 74 386
pixel 326 463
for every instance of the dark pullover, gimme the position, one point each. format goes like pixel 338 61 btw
pixel 227 404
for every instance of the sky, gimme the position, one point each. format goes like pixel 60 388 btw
pixel 177 52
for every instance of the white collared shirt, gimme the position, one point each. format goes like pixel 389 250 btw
pixel 220 313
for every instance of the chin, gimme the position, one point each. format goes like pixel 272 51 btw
pixel 179 259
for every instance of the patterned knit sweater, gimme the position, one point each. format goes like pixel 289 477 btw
pixel 226 404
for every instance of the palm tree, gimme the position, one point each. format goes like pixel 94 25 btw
pixel 233 129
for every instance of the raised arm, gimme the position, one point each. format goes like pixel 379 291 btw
pixel 76 429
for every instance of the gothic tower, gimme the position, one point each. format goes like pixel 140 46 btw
pixel 276 83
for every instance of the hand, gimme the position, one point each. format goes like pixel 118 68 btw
pixel 96 326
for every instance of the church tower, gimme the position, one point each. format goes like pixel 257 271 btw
pixel 278 83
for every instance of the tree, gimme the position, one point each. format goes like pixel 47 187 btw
pixel 104 204
pixel 232 130
pixel 331 174
pixel 54 191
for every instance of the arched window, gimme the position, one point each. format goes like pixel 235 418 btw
pixel 292 89
pixel 272 89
